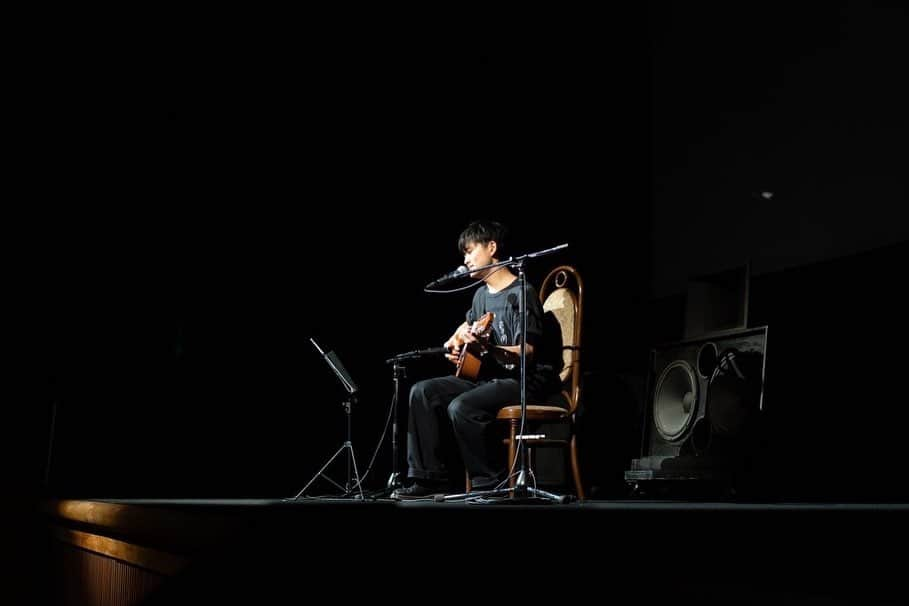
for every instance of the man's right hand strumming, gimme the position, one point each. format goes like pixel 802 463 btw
pixel 456 341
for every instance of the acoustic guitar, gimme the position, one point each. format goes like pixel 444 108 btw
pixel 470 359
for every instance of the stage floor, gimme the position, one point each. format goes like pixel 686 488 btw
pixel 659 551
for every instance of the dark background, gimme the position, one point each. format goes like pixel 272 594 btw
pixel 203 202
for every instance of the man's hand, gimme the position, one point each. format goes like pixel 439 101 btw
pixel 457 341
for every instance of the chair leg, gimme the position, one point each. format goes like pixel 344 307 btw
pixel 513 432
pixel 575 468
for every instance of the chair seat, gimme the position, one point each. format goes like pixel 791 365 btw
pixel 535 412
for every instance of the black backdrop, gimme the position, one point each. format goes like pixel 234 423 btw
pixel 217 199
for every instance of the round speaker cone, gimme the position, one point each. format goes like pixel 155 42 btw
pixel 675 400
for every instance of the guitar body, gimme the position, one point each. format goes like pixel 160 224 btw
pixel 470 360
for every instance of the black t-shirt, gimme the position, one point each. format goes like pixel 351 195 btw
pixel 542 377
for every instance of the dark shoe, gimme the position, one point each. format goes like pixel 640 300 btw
pixel 414 491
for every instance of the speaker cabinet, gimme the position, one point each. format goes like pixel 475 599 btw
pixel 705 396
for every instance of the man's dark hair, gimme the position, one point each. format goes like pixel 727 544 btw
pixel 484 232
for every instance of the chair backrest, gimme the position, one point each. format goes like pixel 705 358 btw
pixel 562 296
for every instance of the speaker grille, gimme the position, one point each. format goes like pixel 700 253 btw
pixel 675 400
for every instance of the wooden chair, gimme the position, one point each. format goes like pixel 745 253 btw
pixel 562 296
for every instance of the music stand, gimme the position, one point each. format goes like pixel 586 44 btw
pixel 331 358
pixel 520 490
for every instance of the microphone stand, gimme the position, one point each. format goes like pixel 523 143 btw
pixel 394 479
pixel 521 489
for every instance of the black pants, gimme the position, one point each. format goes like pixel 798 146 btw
pixel 450 405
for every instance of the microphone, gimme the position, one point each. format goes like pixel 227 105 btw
pixel 418 353
pixel 429 351
pixel 460 271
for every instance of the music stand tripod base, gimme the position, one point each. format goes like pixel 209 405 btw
pixel 348 490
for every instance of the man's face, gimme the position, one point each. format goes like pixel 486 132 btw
pixel 477 254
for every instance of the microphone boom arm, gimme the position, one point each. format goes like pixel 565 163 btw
pixel 463 271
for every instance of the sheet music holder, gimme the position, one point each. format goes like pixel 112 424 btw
pixel 353 483
pixel 331 358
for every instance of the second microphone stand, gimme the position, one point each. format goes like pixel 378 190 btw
pixel 394 479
